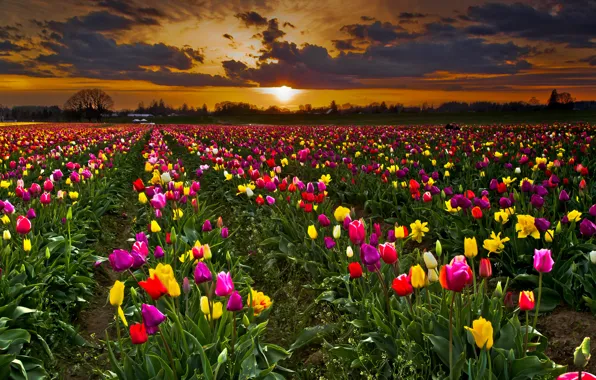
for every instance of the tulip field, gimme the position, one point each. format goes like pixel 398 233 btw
pixel 297 252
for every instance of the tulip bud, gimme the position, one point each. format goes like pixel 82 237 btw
pixel 336 232
pixel 349 251
pixel 47 253
pixel 173 235
pixel 185 285
pixel 438 248
pixel 498 290
pixel 69 214
pixel 593 257
pixel 245 321
pixel 581 356
pixel 6 235
pixel 429 260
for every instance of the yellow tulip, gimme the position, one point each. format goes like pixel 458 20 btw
pixel 173 288
pixel 155 227
pixel 117 293
pixel 418 277
pixel 574 216
pixel 312 232
pixel 6 235
pixel 549 235
pixel 341 213
pixel 482 330
pixel 122 317
pixel 470 247
pixel 27 245
pixel 142 198
pixel 216 306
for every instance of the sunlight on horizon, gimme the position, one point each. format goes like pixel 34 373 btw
pixel 284 94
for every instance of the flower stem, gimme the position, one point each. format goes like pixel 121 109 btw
pixel 527 331
pixel 451 337
pixel 537 309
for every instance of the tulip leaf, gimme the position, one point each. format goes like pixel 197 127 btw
pixel 312 334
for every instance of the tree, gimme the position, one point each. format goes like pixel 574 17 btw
pixel 554 99
pixel 333 106
pixel 534 102
pixel 89 103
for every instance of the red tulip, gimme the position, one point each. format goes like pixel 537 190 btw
pixel 486 269
pixel 138 333
pixel 356 232
pixel 526 300
pixel 153 287
pixel 23 225
pixel 355 270
pixel 427 197
pixel 138 185
pixel 388 253
pixel 477 213
pixel 402 285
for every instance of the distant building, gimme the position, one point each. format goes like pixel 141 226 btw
pixel 139 115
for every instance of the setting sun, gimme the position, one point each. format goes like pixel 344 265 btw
pixel 284 93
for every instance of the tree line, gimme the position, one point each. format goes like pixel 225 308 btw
pixel 95 104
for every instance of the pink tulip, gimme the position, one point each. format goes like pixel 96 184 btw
pixel 224 285
pixel 356 232
pixel 543 262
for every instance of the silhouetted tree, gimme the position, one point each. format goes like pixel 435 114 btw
pixel 89 103
pixel 553 101
pixel 333 106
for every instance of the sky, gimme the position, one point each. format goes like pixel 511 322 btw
pixel 350 51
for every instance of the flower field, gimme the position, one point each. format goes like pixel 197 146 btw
pixel 263 252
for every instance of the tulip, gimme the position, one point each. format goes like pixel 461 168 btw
pixel 593 257
pixel 388 253
pixel 429 260
pixel 482 331
pixel 155 227
pixel 26 245
pixel 138 185
pixel 581 355
pixel 486 269
pixel 312 232
pixel 158 201
pixel 576 376
pixel 202 273
pixel 356 232
pixel 526 300
pixel 6 235
pixel 158 252
pixel 120 260
pixel 341 213
pixel 23 225
pixel 117 293
pixel 543 263
pixel 587 228
pixel 563 196
pixel 234 302
pixel 45 198
pixel 186 286
pixel 336 232
pixel 152 317
pixel 154 287
pixel 401 232
pixel 324 220
pixel 349 252
pixel 369 255
pixel 417 277
pixel 224 285
pixel 456 275
pixel 477 213
pixel 138 333
pixel 355 270
pixel 224 232
pixel 470 247
pixel 31 214
pixel 402 285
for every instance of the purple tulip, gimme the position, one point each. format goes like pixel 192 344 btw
pixel 504 202
pixel 138 259
pixel 540 190
pixel 158 201
pixel 324 220
pixel 224 285
pixel 207 226
pixel 593 210
pixel 234 302
pixel 543 261
pixel 329 242
pixel 158 253
pixel 121 260
pixel 31 214
pixel 270 200
pixel 391 235
pixel 587 228
pixel 8 208
pixel 369 255
pixel 563 196
pixel 537 201
pixel 202 273
pixel 224 232
pixel 152 317
pixel 541 224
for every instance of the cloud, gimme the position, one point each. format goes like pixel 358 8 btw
pixel 272 33
pixel 228 36
pixel 571 22
pixel 8 47
pixel 377 32
pixel 345 45
pixel 591 60
pixel 410 15
pixel 251 19
pixel 367 18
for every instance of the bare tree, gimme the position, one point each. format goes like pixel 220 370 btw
pixel 534 102
pixel 89 103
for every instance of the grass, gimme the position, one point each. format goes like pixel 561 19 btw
pixel 480 118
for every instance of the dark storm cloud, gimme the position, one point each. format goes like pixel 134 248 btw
pixel 251 18
pixel 8 47
pixel 345 45
pixel 311 66
pixel 572 22
pixel 590 60
pixel 272 33
pixel 102 21
pixel 128 8
pixel 167 77
pixel 8 67
pixel 377 32
pixel 410 15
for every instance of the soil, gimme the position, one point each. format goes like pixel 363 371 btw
pixel 566 329
pixel 93 322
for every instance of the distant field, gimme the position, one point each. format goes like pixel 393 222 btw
pixel 382 119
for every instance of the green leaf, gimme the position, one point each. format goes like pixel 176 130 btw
pixel 312 334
